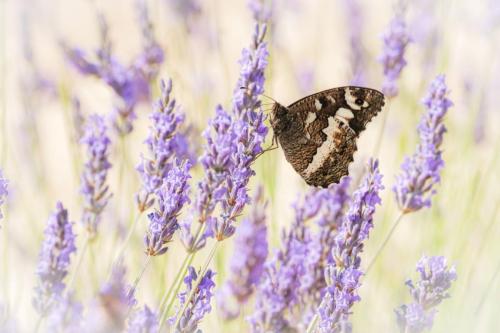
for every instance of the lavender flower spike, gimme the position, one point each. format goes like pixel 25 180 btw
pixel 172 196
pixel 94 188
pixel 161 143
pixel 395 38
pixel 414 186
pixel 342 276
pixel 247 262
pixel 3 190
pixel 143 321
pixel 199 305
pixel 57 247
pixel 432 288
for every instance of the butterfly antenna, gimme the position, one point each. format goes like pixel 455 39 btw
pixel 263 95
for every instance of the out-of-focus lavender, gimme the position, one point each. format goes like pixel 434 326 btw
pixel 395 39
pixel 262 10
pixel 66 316
pixel 199 304
pixel 3 190
pixel 94 188
pixel 414 187
pixel 293 281
pixel 130 83
pixel 108 313
pixel 143 321
pixel 355 20
pixel 342 276
pixel 55 257
pixel 234 141
pixel 78 119
pixel 162 144
pixel 247 262
pixel 435 278
pixel 173 194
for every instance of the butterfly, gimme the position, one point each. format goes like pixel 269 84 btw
pixel 318 133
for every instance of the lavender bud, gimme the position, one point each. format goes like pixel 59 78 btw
pixel 247 263
pixel 431 289
pixel 395 39
pixel 57 247
pixel 342 276
pixel 173 194
pixel 414 186
pixel 199 305
pixel 162 146
pixel 94 188
pixel 143 321
pixel 3 190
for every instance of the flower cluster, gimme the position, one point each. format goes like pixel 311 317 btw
pixel 293 281
pixel 143 321
pixel 247 263
pixel 414 186
pixel 395 39
pixel 432 288
pixel 234 141
pixel 343 274
pixel 94 188
pixel 3 190
pixel 57 247
pixel 355 17
pixel 130 83
pixel 173 194
pixel 199 304
pixel 162 146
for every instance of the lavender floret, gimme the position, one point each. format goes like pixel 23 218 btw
pixel 94 187
pixel 199 305
pixel 431 289
pixel 143 321
pixel 55 257
pixel 3 190
pixel 247 263
pixel 414 187
pixel 395 39
pixel 173 194
pixel 342 276
pixel 162 146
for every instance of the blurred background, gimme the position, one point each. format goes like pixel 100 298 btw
pixel 311 49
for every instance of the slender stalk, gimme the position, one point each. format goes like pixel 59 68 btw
pixel 139 277
pixel 384 243
pixel 128 237
pixel 176 285
pixel 196 284
pixel 487 291
pixel 71 283
pixel 380 136
pixel 312 323
pixel 38 324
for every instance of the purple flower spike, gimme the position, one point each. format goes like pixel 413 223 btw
pixel 162 146
pixel 131 83
pixel 66 316
pixel 432 288
pixel 199 305
pixel 57 247
pixel 115 301
pixel 414 186
pixel 342 276
pixel 3 190
pixel 173 194
pixel 143 321
pixel 395 39
pixel 234 141
pixel 94 188
pixel 247 263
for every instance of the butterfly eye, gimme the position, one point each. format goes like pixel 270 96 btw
pixel 358 101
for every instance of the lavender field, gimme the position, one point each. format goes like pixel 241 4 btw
pixel 141 191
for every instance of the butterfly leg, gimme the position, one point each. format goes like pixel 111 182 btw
pixel 273 146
